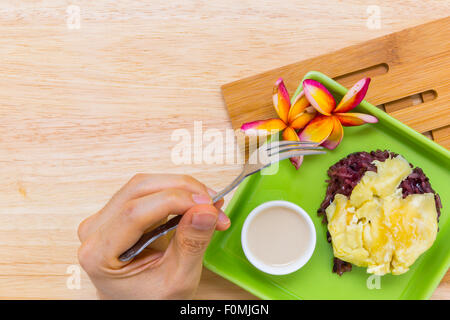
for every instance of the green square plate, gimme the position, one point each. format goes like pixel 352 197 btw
pixel 306 187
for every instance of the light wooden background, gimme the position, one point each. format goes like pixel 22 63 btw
pixel 83 110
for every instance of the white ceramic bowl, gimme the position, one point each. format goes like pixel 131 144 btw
pixel 297 263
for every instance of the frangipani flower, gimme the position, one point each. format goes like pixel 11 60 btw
pixel 291 118
pixel 326 128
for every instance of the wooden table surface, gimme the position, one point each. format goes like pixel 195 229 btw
pixel 83 109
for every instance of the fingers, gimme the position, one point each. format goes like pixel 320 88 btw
pixel 138 186
pixel 192 237
pixel 123 230
pixel 142 184
pixel 151 198
pixel 223 222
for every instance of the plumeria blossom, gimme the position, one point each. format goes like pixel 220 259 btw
pixel 314 110
pixel 327 128
pixel 291 118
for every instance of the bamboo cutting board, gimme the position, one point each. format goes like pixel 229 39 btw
pixel 410 72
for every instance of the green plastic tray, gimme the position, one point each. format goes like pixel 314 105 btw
pixel 306 187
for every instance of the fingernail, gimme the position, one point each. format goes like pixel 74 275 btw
pixel 223 218
pixel 204 221
pixel 201 199
pixel 211 192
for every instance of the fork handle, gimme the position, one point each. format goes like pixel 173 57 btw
pixel 170 225
pixel 229 188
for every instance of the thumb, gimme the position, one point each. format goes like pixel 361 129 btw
pixel 193 235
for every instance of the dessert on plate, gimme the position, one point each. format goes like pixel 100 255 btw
pixel 381 212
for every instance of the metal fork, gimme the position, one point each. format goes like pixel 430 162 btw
pixel 262 157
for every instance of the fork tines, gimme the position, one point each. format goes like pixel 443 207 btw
pixel 277 144
pixel 294 146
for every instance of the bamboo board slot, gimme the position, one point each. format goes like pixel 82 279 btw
pixel 370 72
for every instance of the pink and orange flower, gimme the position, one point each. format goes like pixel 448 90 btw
pixel 313 115
pixel 291 118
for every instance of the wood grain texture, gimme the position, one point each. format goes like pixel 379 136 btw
pixel 83 110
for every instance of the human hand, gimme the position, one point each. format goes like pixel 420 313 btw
pixel 137 207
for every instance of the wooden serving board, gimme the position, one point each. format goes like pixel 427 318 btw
pixel 410 72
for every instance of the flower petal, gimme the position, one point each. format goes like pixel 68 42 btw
pixel 290 134
pixel 355 119
pixel 336 135
pixel 318 129
pixel 281 100
pixel 298 107
pixel 302 119
pixel 296 161
pixel 263 127
pixel 319 96
pixel 354 96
